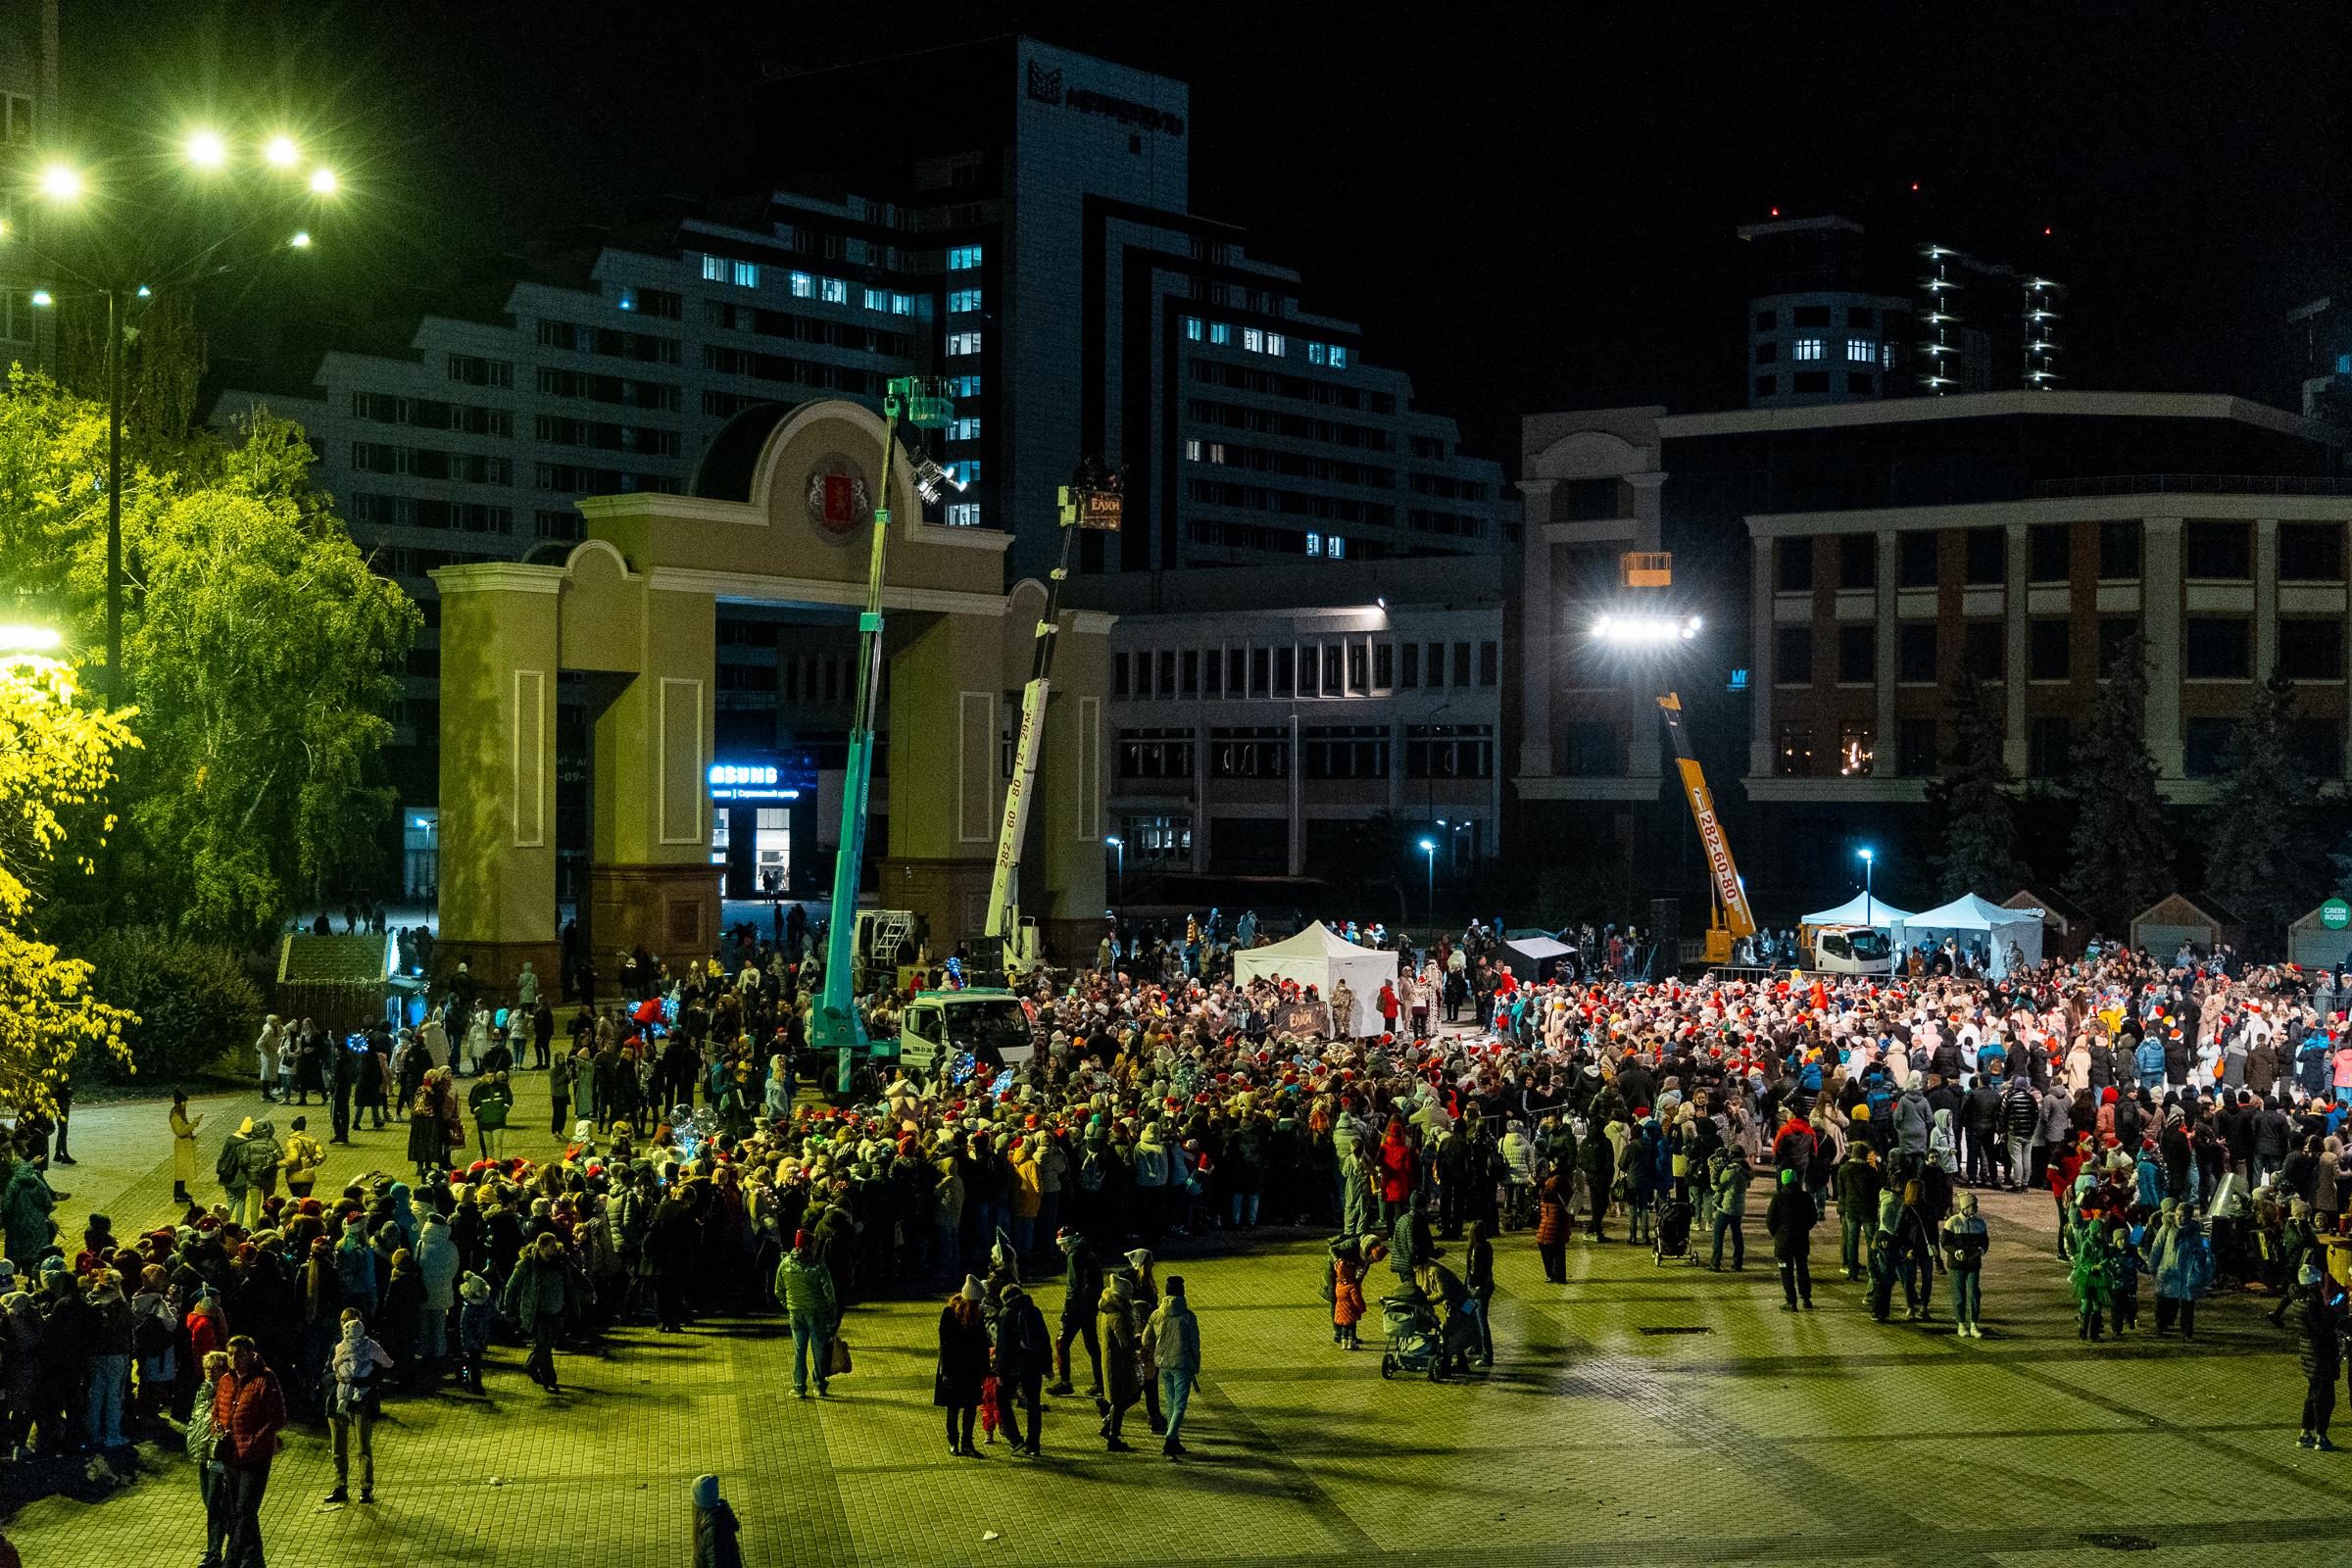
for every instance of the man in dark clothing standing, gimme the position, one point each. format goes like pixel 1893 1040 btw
pixel 1082 1292
pixel 1790 1221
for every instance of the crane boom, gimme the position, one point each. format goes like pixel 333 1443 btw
pixel 1729 895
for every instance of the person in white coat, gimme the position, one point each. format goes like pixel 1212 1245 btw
pixel 270 1048
pixel 437 1264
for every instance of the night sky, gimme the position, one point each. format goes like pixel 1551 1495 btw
pixel 1527 207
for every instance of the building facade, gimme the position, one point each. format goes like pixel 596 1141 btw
pixel 1022 231
pixel 1284 741
pixel 1851 559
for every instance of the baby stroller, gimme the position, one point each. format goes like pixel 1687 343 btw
pixel 1673 1238
pixel 1414 1340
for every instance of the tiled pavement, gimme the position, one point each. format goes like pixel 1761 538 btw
pixel 1608 1433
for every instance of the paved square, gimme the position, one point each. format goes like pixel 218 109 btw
pixel 1760 1437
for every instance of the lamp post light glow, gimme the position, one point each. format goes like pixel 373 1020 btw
pixel 323 181
pixel 1869 860
pixel 60 182
pixel 301 240
pixel 29 639
pixel 206 148
pixel 1637 631
pixel 279 152
pixel 1118 848
pixel 1429 853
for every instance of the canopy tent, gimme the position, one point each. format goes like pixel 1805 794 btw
pixel 1968 918
pixel 1319 957
pixel 1537 958
pixel 1851 913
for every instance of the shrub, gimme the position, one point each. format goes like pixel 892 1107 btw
pixel 195 1003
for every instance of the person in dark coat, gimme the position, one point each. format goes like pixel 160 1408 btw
pixel 538 1293
pixel 2319 1348
pixel 715 1526
pixel 1789 1219
pixel 963 1349
pixel 1024 1352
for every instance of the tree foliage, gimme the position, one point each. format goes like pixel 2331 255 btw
pixel 259 651
pixel 195 1003
pixel 2121 855
pixel 2260 856
pixel 1973 800
pixel 55 760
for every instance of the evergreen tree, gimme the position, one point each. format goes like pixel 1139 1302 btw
pixel 2260 858
pixel 1971 800
pixel 2120 857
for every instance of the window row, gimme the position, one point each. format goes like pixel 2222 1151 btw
pixel 588 386
pixel 429 512
pixel 1863 315
pixel 794 327
pixel 2211 549
pixel 1325 752
pixel 1259 340
pixel 759 367
pixel 578 480
pixel 1338 666
pixel 2212 648
pixel 1371 476
pixel 1802 750
pixel 430 414
pixel 558 430
pixel 431 462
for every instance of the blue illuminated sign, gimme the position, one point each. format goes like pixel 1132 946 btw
pixel 1739 680
pixel 749 781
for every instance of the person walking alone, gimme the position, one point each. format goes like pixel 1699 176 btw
pixel 1965 1239
pixel 352 1400
pixel 803 1287
pixel 537 1294
pixel 1789 1220
pixel 1172 1342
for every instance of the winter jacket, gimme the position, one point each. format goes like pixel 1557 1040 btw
pixel 1172 1337
pixel 248 1414
pixel 437 1264
pixel 805 1288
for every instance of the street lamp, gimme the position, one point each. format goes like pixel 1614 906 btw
pixel 29 639
pixel 1429 853
pixel 1118 848
pixel 117 258
pixel 1867 859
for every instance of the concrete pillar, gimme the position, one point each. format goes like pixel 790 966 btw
pixel 1065 892
pixel 1890 644
pixel 946 778
pixel 499 661
pixel 2160 625
pixel 1294 784
pixel 1761 635
pixel 2265 595
pixel 2013 653
pixel 1539 620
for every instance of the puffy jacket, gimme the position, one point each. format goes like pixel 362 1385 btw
pixel 805 1288
pixel 2149 1060
pixel 438 1263
pixel 2021 1111
pixel 1172 1337
pixel 1151 1159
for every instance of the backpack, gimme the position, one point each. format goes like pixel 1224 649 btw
pixel 1089 1173
pixel 227 1168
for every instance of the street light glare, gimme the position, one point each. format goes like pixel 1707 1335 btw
pixel 323 181
pixel 206 148
pixel 41 296
pixel 301 240
pixel 1113 843
pixel 1645 628
pixel 1864 853
pixel 29 639
pixel 280 152
pixel 1429 845
pixel 60 182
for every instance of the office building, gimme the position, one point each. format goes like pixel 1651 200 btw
pixel 1270 742
pixel 28 114
pixel 1018 224
pixel 1851 559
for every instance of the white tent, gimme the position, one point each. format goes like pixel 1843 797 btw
pixel 1319 957
pixel 1969 918
pixel 1881 914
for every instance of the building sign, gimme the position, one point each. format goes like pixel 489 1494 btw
pixel 749 781
pixel 1046 87
pixel 2335 914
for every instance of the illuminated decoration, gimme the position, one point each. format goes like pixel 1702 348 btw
pixel 749 781
pixel 1936 310
pixel 2042 299
pixel 1854 760
pixel 1640 629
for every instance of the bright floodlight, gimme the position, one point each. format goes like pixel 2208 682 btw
pixel 1114 842
pixel 1645 628
pixel 1864 853
pixel 29 639
pixel 1429 845
pixel 929 476
pixel 41 296
pixel 301 240
pixel 323 181
pixel 280 152
pixel 60 182
pixel 206 148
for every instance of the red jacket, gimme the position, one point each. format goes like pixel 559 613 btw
pixel 1396 1170
pixel 248 1413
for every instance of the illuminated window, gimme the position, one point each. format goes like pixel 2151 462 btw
pixel 715 270
pixel 1315 544
pixel 963 258
pixel 1339 358
pixel 1274 343
pixel 1316 354
pixel 968 470
pixel 1191 329
pixel 964 515
pixel 1805 347
pixel 961 300
pixel 747 275
pixel 1886 355
pixel 1339 547
pixel 1191 450
pixel 802 286
pixel 836 292
pixel 877 299
pixel 1254 339
pixel 1861 351
pixel 964 342
pixel 1220 332
pixel 965 428
pixel 963 386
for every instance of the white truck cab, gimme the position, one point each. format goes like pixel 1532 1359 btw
pixel 989 1026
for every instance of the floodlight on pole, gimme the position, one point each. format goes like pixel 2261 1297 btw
pixel 930 476
pixel 62 182
pixel 279 152
pixel 1646 629
pixel 1429 852
pixel 301 240
pixel 323 181
pixel 1869 860
pixel 207 150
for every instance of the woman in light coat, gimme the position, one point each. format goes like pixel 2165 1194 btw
pixel 184 1152
pixel 270 1048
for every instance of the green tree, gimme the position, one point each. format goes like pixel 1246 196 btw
pixel 261 654
pixel 56 757
pixel 2260 855
pixel 1973 800
pixel 2121 855
pixel 263 660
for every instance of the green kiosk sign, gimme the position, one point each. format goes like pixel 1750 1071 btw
pixel 2335 914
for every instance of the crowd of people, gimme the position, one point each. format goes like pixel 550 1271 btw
pixel 2184 1121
